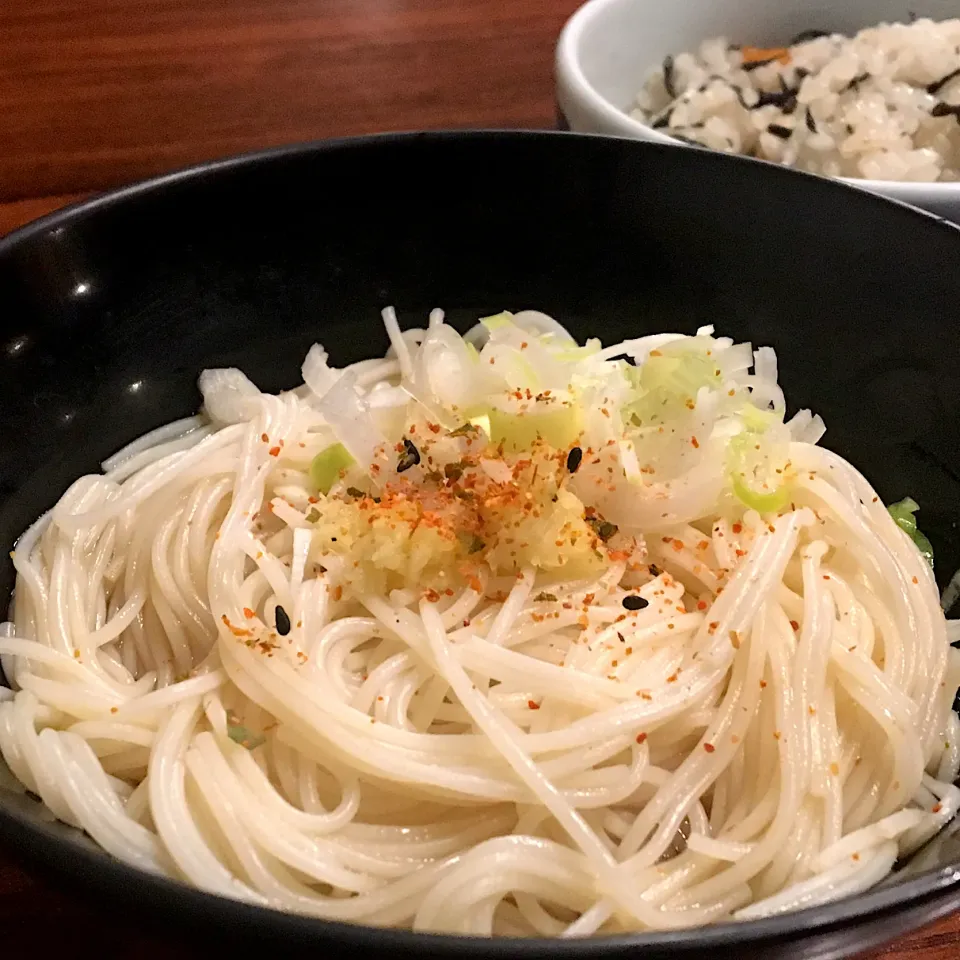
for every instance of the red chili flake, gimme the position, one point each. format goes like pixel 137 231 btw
pixel 672 678
pixel 678 546
pixel 695 443
pixel 737 528
pixel 703 544
pixel 701 604
pixel 533 705
pixel 709 747
pixel 337 592
pixel 524 345
pixel 854 856
pixel 641 737
pixel 264 438
pixel 915 580
pixel 794 624
pixel 313 499
pixel 655 353
pixel 274 451
pixel 114 709
pixel 605 411
pixel 248 613
pixel 433 427
pixel 236 631
pixel 936 808
pixel 763 684
pixel 713 626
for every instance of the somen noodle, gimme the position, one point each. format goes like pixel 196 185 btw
pixel 499 634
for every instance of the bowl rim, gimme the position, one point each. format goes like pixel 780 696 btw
pixel 84 864
pixel 570 75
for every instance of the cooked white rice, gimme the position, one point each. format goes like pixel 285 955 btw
pixel 882 105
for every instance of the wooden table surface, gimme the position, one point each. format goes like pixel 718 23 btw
pixel 96 93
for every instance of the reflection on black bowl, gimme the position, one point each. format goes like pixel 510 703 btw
pixel 112 308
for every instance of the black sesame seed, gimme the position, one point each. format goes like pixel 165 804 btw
pixel 784 133
pixel 409 456
pixel 283 621
pixel 634 602
pixel 811 123
pixel 574 457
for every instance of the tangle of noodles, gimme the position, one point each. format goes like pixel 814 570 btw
pixel 390 649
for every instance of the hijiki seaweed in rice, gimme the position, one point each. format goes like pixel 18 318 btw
pixel 883 104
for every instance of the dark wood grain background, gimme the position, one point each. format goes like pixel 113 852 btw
pixel 96 93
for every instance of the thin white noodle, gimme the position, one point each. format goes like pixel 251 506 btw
pixel 761 724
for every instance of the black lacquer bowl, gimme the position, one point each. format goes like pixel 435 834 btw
pixel 110 309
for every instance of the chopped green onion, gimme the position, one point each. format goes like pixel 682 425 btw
pixel 757 420
pixel 327 466
pixel 497 321
pixel 904 516
pixel 761 502
pixel 559 428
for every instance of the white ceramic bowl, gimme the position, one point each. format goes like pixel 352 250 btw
pixel 608 48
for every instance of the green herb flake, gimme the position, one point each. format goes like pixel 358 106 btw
pixel 602 528
pixel 470 541
pixel 238 733
pixel 409 456
pixel 544 597
pixel 313 515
